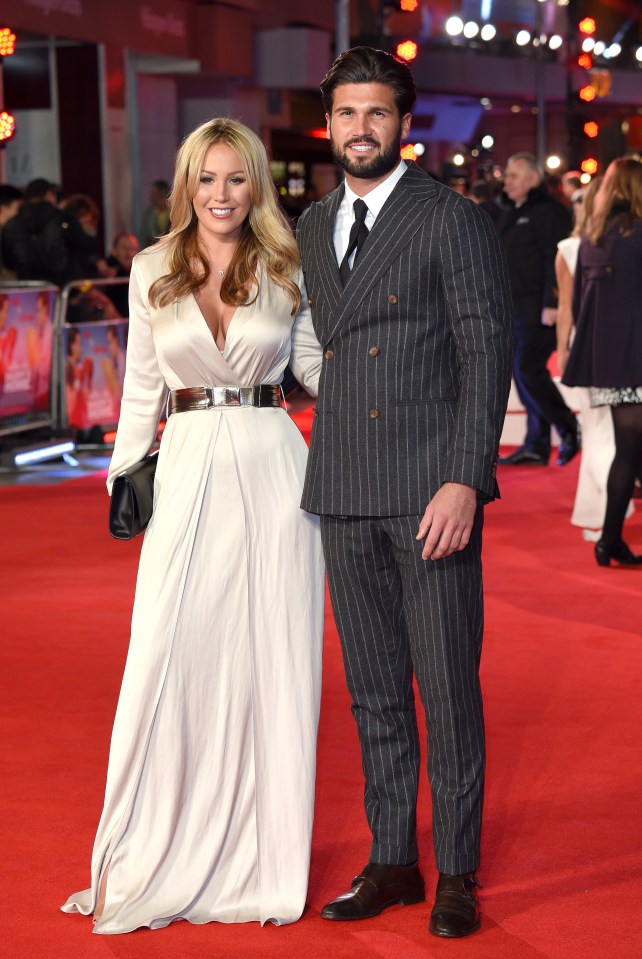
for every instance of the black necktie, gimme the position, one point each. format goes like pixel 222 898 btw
pixel 358 235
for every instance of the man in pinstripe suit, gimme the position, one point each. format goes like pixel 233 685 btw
pixel 411 303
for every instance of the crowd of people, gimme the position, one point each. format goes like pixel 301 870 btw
pixel 56 239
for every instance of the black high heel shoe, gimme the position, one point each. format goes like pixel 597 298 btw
pixel 620 552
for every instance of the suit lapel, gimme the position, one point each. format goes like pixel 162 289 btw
pixel 403 213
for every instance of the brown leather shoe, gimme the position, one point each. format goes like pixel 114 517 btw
pixel 376 887
pixel 456 909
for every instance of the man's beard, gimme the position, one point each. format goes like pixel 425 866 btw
pixel 369 168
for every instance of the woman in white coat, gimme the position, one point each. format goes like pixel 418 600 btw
pixel 210 787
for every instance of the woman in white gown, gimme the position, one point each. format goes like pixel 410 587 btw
pixel 210 787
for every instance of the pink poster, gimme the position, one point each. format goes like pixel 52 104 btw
pixel 94 369
pixel 26 336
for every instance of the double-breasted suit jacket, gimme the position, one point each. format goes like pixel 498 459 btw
pixel 417 353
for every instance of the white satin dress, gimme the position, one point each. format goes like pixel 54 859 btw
pixel 210 786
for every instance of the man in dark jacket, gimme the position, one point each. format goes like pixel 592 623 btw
pixel 531 229
pixel 42 242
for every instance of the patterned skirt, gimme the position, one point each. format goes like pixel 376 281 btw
pixel 615 395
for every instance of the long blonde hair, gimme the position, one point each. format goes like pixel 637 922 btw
pixel 266 238
pixel 622 181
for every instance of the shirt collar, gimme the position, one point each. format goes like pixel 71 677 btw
pixel 377 197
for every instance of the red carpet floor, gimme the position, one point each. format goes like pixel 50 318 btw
pixel 562 846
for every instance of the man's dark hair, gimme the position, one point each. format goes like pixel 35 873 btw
pixel 9 194
pixel 37 189
pixel 368 65
pixel 480 190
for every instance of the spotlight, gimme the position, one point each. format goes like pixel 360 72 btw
pixel 553 162
pixel 522 38
pixel 638 54
pixel 419 149
pixel 459 159
pixel 485 102
pixel 555 42
pixel 599 48
pixel 585 178
pixel 613 51
pixel 488 142
pixel 454 26
pixel 488 31
pixel 471 29
pixel 588 44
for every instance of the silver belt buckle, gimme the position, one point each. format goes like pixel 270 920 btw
pixel 232 395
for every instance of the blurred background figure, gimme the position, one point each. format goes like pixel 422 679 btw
pixel 156 217
pixel 481 192
pixel 530 230
pixel 10 202
pixel 87 258
pixel 598 444
pixel 606 354
pixel 42 242
pixel 123 250
pixel 571 185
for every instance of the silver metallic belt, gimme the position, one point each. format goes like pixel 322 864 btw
pixel 208 397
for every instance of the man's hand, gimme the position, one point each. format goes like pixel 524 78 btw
pixel 549 316
pixel 448 521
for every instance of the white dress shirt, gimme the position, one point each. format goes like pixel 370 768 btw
pixel 373 200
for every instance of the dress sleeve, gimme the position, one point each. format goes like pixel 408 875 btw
pixel 306 354
pixel 143 388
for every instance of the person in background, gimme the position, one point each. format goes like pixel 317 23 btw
pixel 571 185
pixel 123 250
pixel 156 222
pixel 481 193
pixel 598 444
pixel 530 230
pixel 87 261
pixel 11 199
pixel 606 354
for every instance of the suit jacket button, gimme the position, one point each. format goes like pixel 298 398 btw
pixel 374 351
pixel 310 302
pixel 392 298
pixel 374 414
pixel 329 354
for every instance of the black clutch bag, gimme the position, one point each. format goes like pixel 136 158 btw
pixel 132 499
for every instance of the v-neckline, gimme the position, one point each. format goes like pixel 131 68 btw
pixel 221 352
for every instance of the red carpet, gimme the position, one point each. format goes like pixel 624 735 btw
pixel 562 847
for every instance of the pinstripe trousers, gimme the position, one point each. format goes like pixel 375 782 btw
pixel 398 614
